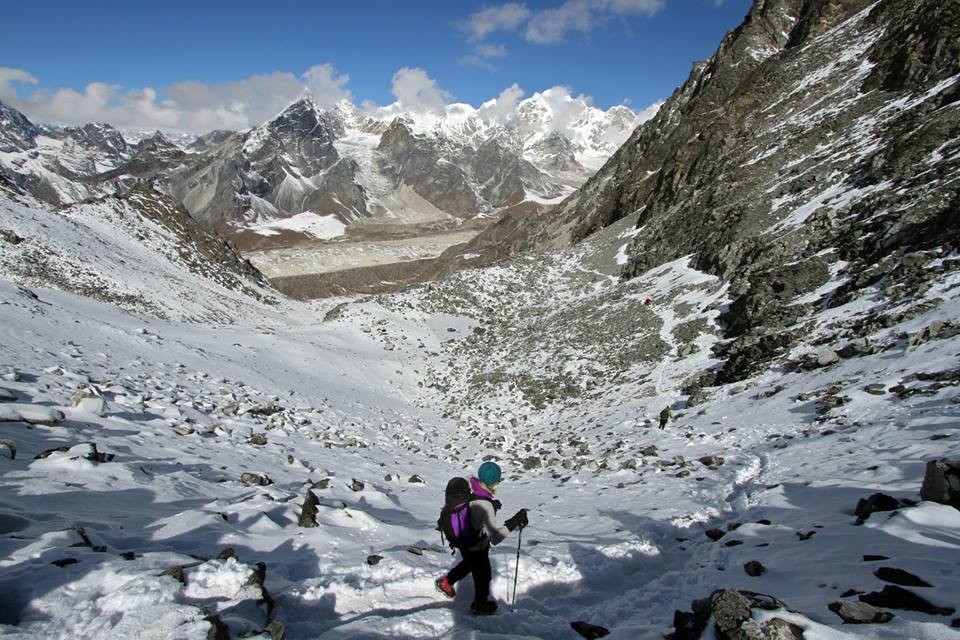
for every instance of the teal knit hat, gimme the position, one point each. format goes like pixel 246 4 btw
pixel 489 473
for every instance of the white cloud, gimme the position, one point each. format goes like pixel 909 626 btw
pixel 326 86
pixel 416 91
pixel 483 54
pixel 194 107
pixel 552 25
pixel 8 76
pixel 502 109
pixel 506 17
pixel 637 7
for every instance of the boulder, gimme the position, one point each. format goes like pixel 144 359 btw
pixel 649 451
pixel 415 479
pixel 374 559
pixel 711 461
pixel 859 613
pixel 357 485
pixel 258 439
pixel 941 482
pixel 734 620
pixel 876 502
pixel 754 568
pixel 8 448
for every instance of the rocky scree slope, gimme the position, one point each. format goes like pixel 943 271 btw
pixel 819 143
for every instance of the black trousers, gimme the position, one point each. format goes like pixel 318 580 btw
pixel 478 564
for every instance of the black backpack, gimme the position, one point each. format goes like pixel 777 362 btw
pixel 455 523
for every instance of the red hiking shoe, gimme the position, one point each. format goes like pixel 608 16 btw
pixel 443 586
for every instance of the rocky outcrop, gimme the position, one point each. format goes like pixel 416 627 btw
pixel 941 482
pixel 813 146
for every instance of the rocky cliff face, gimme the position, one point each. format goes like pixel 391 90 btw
pixel 820 143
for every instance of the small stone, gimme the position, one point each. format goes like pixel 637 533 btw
pixel 733 543
pixel 176 573
pixel 806 536
pixel 184 430
pixel 257 439
pixel 252 479
pixel 8 448
pixel 711 461
pixel 754 568
pixel 875 389
pixel 589 631
pixel 415 550
pixel 357 485
pixel 65 562
pixel 321 484
pixel 874 558
pixel 715 534
pixel 128 555
pixel 649 451
pixel 415 479
pixel 373 560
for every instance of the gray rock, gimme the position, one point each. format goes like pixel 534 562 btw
pixel 356 485
pixel 255 479
pixel 754 568
pixel 258 439
pixel 941 482
pixel 308 512
pixel 711 461
pixel 184 430
pixel 415 479
pixel 277 630
pixel 8 448
pixel 875 389
pixel 374 559
pixel 649 451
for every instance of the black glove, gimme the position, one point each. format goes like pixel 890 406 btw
pixel 519 519
pixel 496 505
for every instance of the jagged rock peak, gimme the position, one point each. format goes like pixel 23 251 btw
pixel 17 133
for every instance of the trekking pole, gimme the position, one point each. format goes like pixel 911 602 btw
pixel 516 570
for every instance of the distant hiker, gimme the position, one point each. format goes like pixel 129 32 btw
pixel 468 520
pixel 665 416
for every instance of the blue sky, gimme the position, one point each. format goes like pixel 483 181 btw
pixel 162 62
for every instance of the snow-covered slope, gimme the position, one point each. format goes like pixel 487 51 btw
pixel 116 514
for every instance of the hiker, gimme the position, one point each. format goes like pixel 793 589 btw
pixel 665 416
pixel 472 529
